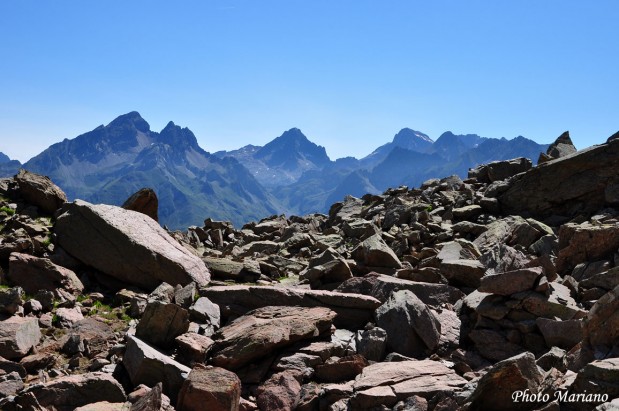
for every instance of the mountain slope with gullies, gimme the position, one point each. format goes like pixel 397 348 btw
pixel 460 294
pixel 111 162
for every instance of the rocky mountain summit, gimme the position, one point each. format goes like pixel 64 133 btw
pixel 496 292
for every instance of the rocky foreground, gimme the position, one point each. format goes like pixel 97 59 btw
pixel 500 292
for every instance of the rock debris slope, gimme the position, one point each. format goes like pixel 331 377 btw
pixel 499 292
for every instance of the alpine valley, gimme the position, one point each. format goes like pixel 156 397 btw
pixel 288 175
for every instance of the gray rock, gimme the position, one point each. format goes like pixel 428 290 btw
pixel 564 334
pixel 412 329
pixel 510 282
pixel 204 311
pixel 372 343
pixel 373 252
pixel 126 245
pixel 11 300
pixel 17 336
pixel 162 323
pixel 71 391
pixel 146 365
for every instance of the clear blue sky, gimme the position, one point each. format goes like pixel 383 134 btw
pixel 349 74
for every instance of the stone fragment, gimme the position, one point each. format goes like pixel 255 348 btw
pixel 205 312
pixel 564 334
pixel 210 388
pixel 194 348
pixel 126 245
pixel 463 272
pixel 11 300
pixel 372 343
pixel 67 317
pixel 579 243
pixel 162 323
pixel 340 369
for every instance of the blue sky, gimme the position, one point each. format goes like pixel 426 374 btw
pixel 349 74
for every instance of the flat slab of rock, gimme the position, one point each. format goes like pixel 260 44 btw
pixel 127 245
pixel 463 272
pixel 18 335
pixel 77 390
pixel 34 274
pixel 389 382
pixel 261 332
pixel 380 286
pixel 148 366
pixel 510 282
pixel 353 310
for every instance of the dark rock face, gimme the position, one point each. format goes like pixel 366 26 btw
pixel 144 201
pixel 562 147
pixel 582 183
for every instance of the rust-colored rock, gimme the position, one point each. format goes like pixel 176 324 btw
pixel 144 201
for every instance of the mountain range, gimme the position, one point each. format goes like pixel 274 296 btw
pixel 289 175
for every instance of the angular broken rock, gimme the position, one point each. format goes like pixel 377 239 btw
pixel 579 243
pixel 598 377
pixel 385 383
pixel 412 329
pixel 146 365
pixel 373 252
pixel 34 274
pixel 77 390
pixel 495 389
pixel 602 322
pixel 40 191
pixel 205 312
pixel 18 335
pixel 11 300
pixel 210 388
pixel 463 272
pixel 161 323
pixel 260 332
pixel 126 245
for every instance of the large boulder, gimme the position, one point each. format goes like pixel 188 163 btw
pixel 40 191
pixel 561 147
pixel 144 201
pixel 126 245
pixel 353 310
pixel 260 332
pixel 212 388
pixel 581 182
pixel 161 323
pixel 18 335
pixel 34 274
pixel 385 383
pixel 146 365
pixel 496 389
pixel 412 329
pixel 72 391
pixel 585 242
pixel 374 252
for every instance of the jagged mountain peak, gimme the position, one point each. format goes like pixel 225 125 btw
pixel 291 150
pixel 406 136
pixel 4 158
pixel 181 137
pixel 131 119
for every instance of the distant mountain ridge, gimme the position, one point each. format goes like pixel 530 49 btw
pixel 111 162
pixel 290 174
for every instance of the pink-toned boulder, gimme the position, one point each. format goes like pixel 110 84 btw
pixel 34 274
pixel 127 245
pixel 210 388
